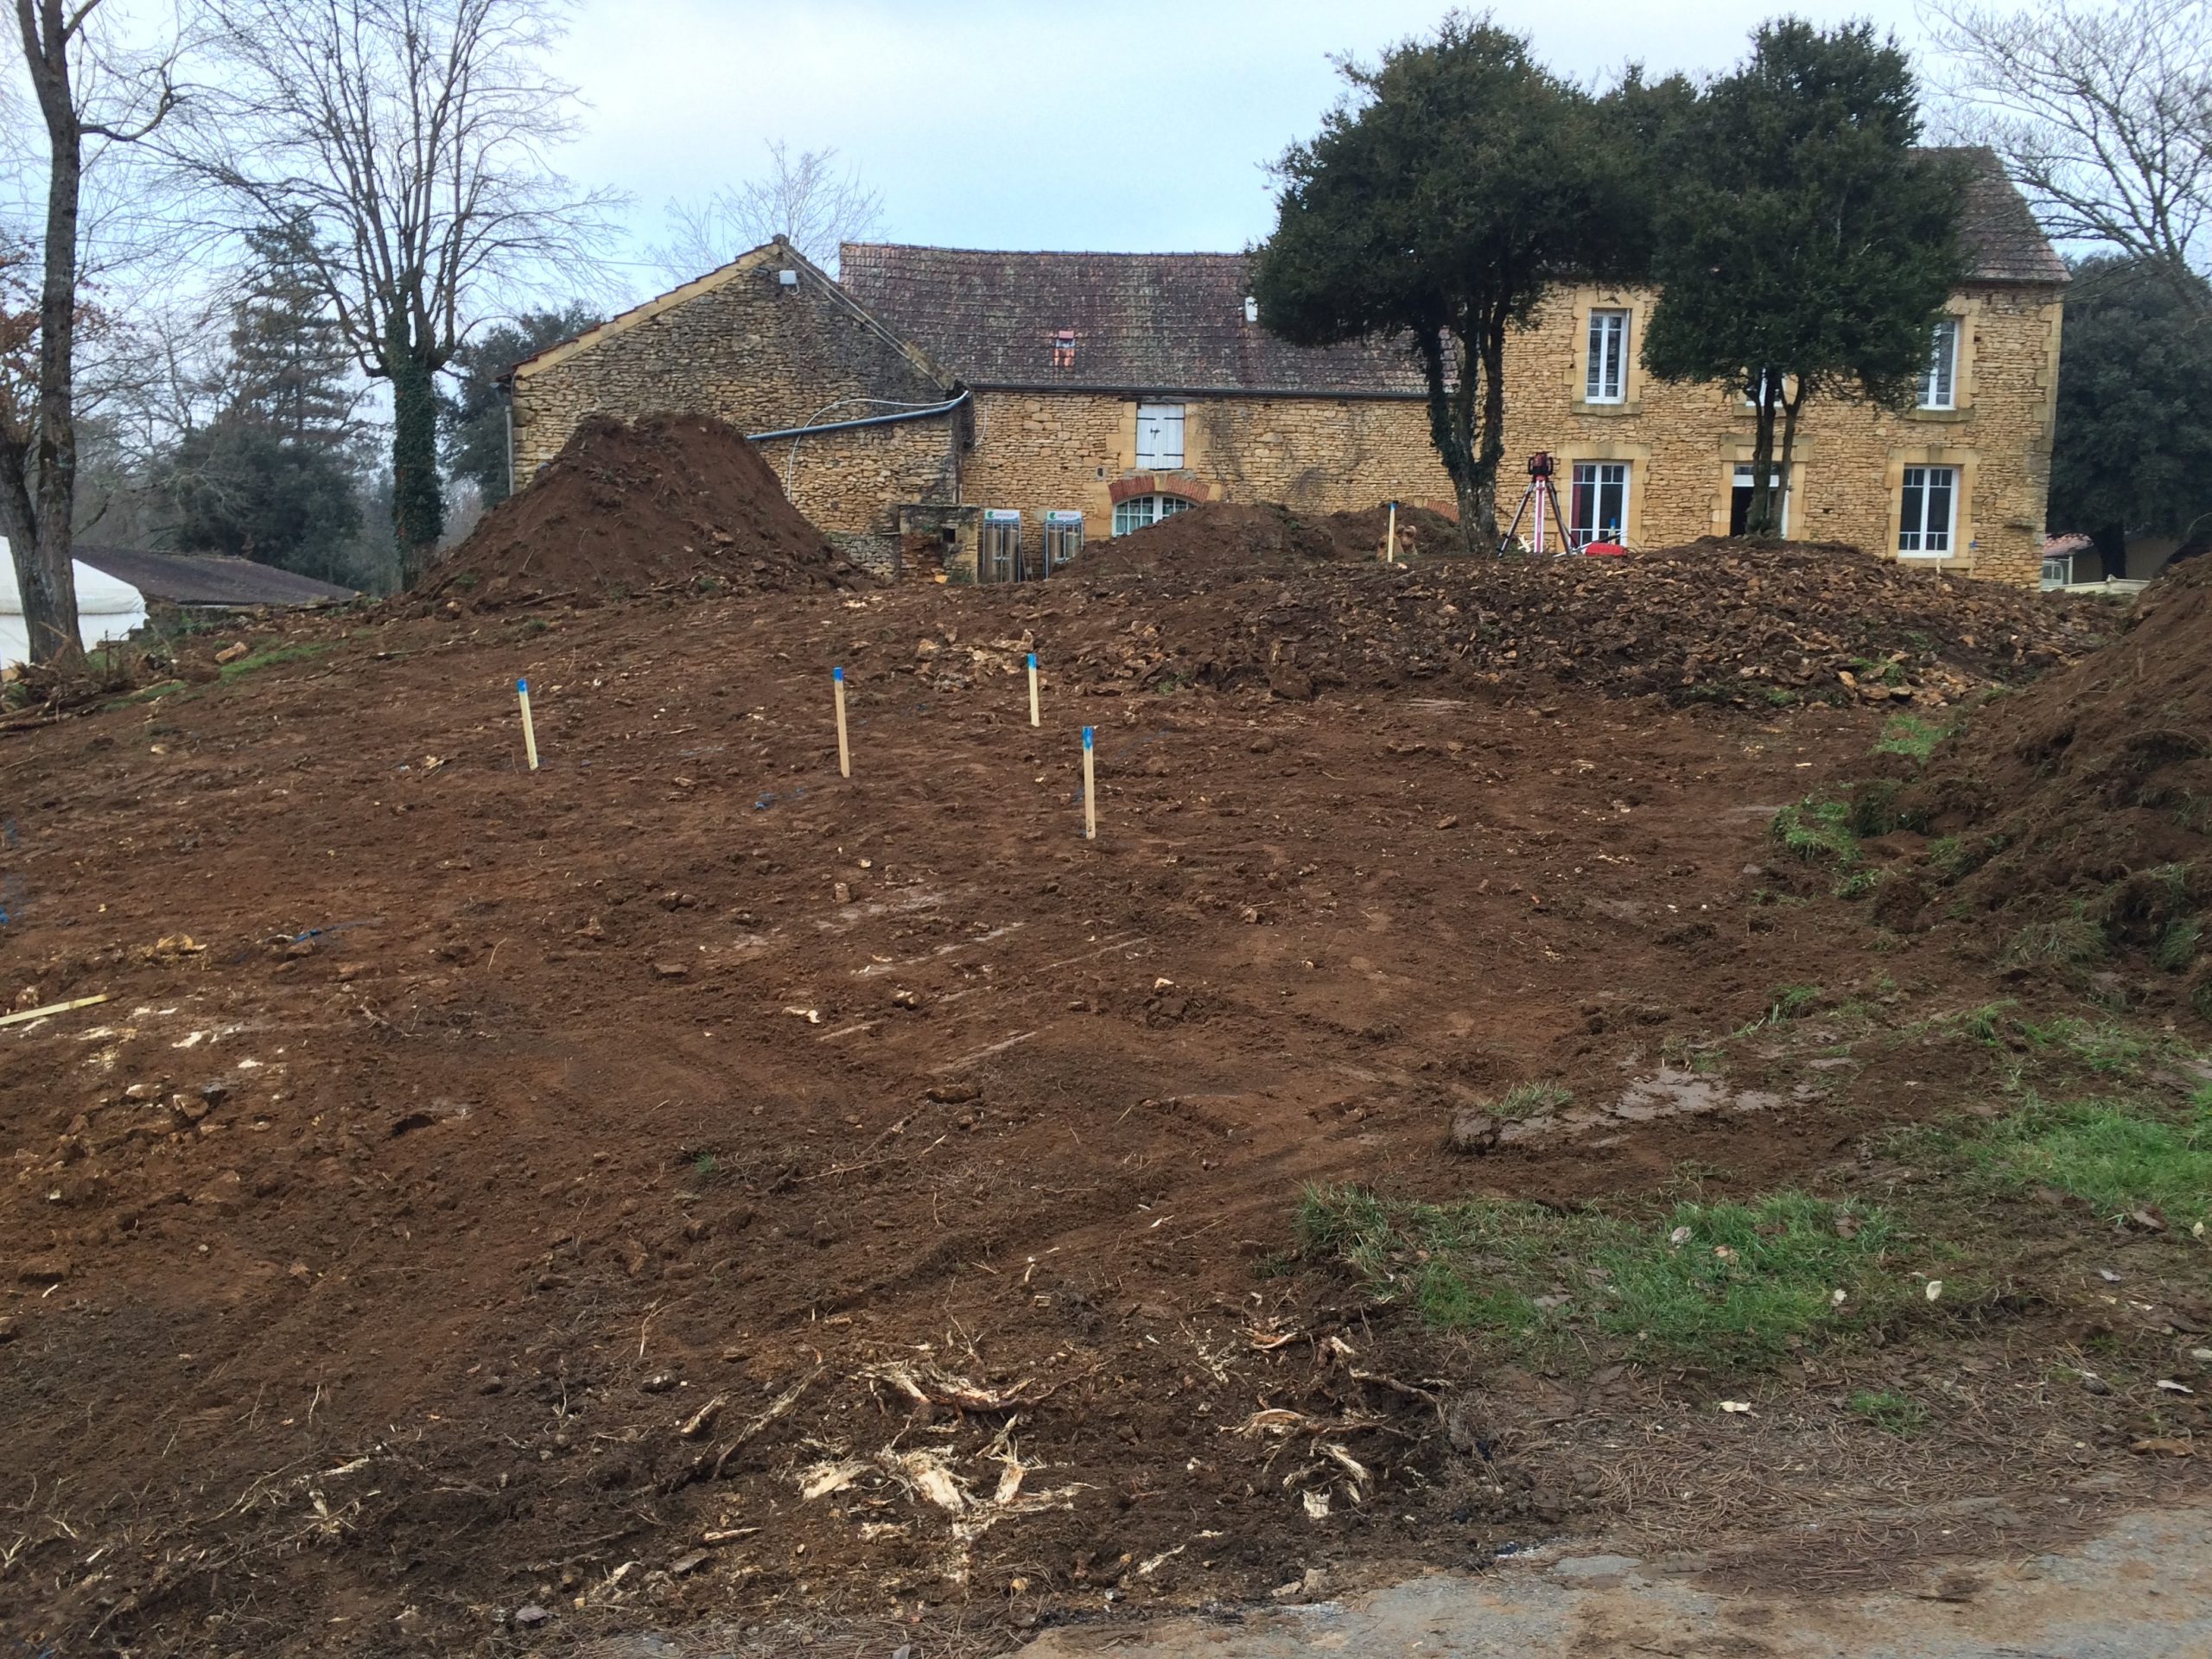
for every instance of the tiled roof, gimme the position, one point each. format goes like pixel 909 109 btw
pixel 210 579
pixel 1175 321
pixel 1140 322
pixel 2003 242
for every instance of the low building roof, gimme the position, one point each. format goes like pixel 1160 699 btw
pixel 209 579
pixel 1139 321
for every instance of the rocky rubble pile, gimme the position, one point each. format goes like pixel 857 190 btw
pixel 1714 620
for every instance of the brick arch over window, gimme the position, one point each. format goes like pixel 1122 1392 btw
pixel 1193 490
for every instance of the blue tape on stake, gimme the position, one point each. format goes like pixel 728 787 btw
pixel 522 686
pixel 1086 737
pixel 1033 659
pixel 836 673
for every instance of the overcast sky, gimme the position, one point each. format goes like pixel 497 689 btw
pixel 1046 123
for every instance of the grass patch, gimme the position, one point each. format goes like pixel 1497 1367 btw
pixel 1784 1003
pixel 1530 1100
pixel 1719 1285
pixel 1899 1414
pixel 1818 831
pixel 1914 736
pixel 271 657
pixel 2066 942
pixel 2116 1156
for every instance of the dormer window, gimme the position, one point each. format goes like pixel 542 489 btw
pixel 1064 349
pixel 1251 309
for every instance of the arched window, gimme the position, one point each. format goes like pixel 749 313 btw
pixel 1141 510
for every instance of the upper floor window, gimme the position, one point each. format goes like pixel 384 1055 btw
pixel 1604 378
pixel 1926 517
pixel 1939 386
pixel 1160 435
pixel 1141 510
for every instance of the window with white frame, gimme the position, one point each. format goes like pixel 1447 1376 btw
pixel 1141 510
pixel 1604 378
pixel 1598 502
pixel 1160 435
pixel 1757 394
pixel 1739 499
pixel 1927 517
pixel 1939 387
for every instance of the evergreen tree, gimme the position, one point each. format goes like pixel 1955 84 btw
pixel 271 477
pixel 2133 451
pixel 290 366
pixel 472 415
pixel 239 487
pixel 1436 208
pixel 1804 250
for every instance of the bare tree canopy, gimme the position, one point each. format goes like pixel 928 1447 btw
pixel 91 94
pixel 2103 115
pixel 411 137
pixel 806 199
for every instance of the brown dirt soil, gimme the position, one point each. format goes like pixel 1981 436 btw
pixel 671 500
pixel 1755 624
pixel 486 1189
pixel 1240 541
pixel 2081 808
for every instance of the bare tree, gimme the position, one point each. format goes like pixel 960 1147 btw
pixel 807 199
pixel 410 135
pixel 2102 114
pixel 91 94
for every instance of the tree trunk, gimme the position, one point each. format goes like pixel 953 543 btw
pixel 1759 522
pixel 1490 449
pixel 417 502
pixel 1779 505
pixel 1451 420
pixel 43 468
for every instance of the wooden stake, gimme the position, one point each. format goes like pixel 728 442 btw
pixel 27 1014
pixel 1090 792
pixel 1033 688
pixel 1390 547
pixel 528 732
pixel 844 749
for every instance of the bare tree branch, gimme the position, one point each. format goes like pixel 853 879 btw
pixel 805 198
pixel 2102 114
pixel 413 136
pixel 86 88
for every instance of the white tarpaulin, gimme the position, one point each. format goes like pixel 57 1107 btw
pixel 106 608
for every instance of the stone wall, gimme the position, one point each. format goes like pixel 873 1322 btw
pixel 1683 442
pixel 739 344
pixel 1077 451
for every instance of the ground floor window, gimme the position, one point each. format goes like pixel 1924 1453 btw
pixel 1598 504
pixel 1141 510
pixel 1931 504
pixel 1740 500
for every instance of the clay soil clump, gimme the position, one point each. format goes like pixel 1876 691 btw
pixel 671 501
pixel 2076 815
pixel 1237 540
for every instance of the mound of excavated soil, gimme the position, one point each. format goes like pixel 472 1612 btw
pixel 1776 622
pixel 2077 814
pixel 1232 540
pixel 671 500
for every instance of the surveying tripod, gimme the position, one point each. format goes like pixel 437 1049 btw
pixel 1543 496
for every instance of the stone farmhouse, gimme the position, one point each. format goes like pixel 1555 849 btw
pixel 981 413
